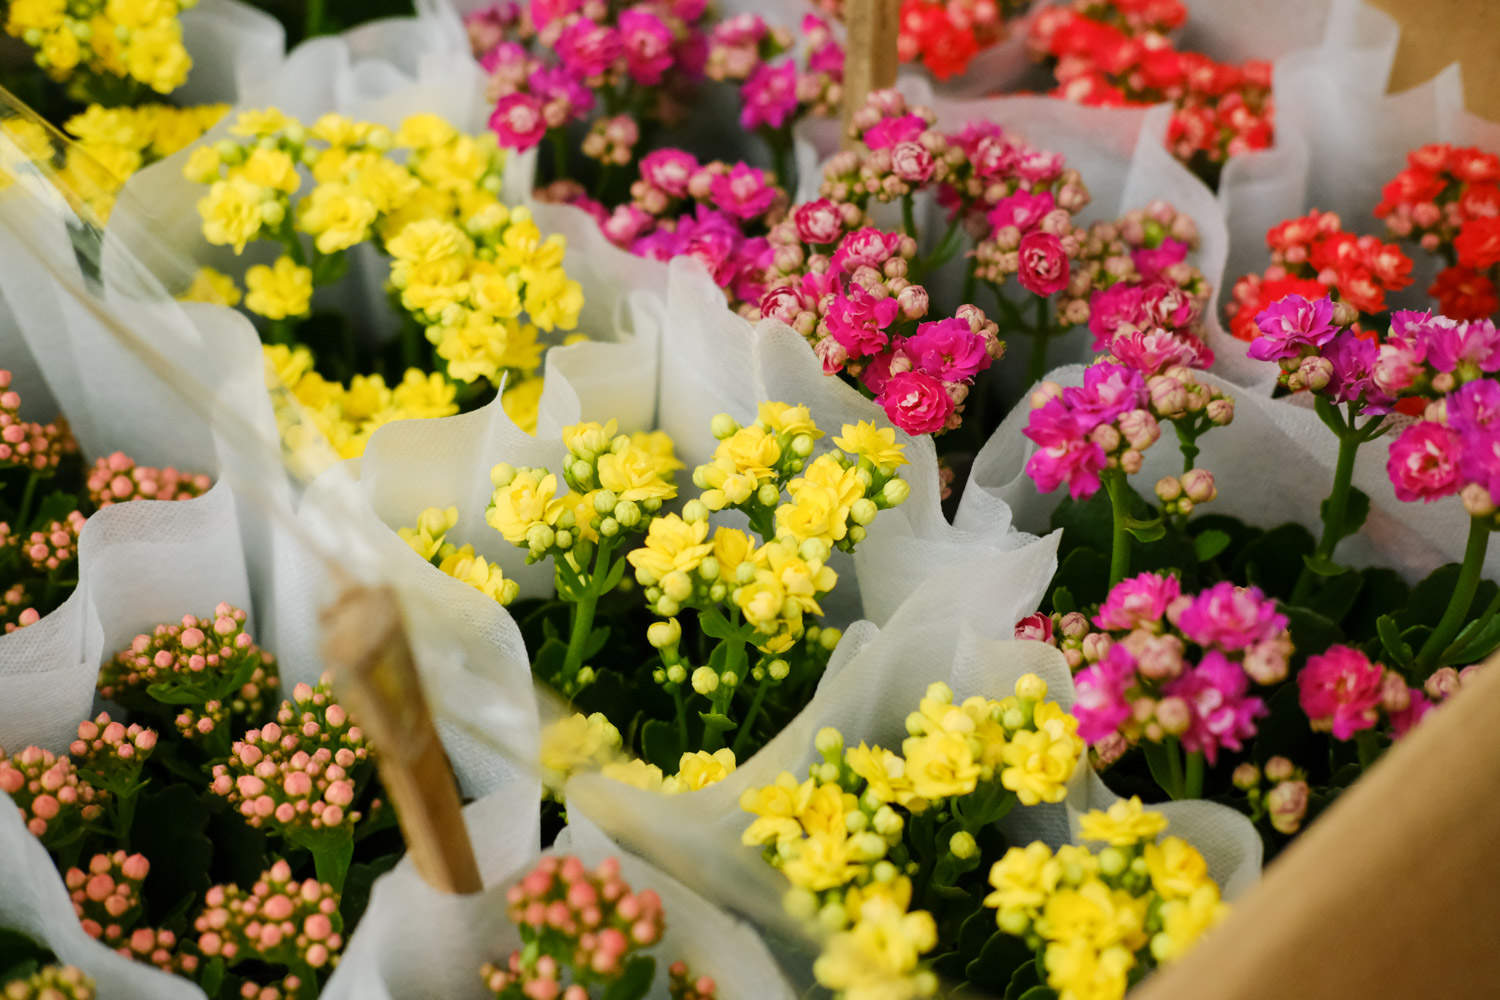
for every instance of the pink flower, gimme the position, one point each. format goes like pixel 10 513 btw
pixel 627 224
pixel 1167 305
pixel 1044 263
pixel 1290 325
pixel 1404 719
pixel 917 403
pixel 889 131
pixel 858 321
pixel 1231 618
pixel 544 12
pixel 564 97
pixel 865 247
pixel 1423 464
pixel 1352 360
pixel 949 350
pixel 1340 690
pixel 1140 600
pixel 670 170
pixel 1451 343
pixel 1155 350
pixel 1117 305
pixel 1038 166
pixel 517 121
pixel 588 49
pixel 1065 452
pixel 818 222
pixel 769 96
pixel 1107 392
pixel 1222 713
pixel 1101 705
pixel 1036 626
pixel 743 192
pixel 1022 210
pixel 911 162
pixel 1398 365
pixel 1151 263
pixel 647 42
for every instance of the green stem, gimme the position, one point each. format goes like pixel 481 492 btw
pixel 1187 443
pixel 1463 594
pixel 559 153
pixel 583 610
pixel 780 141
pixel 908 218
pixel 1038 366
pixel 1119 549
pixel 1337 505
pixel 331 856
pixel 742 741
pixel 1192 782
pixel 969 280
pixel 312 24
pixel 681 703
pixel 28 497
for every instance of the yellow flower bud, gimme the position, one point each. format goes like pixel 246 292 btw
pixel 705 681
pixel 962 845
pixel 664 634
pixel 1031 687
pixel 895 492
pixel 723 426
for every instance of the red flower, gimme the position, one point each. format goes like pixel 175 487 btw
pixel 1474 165
pixel 1410 187
pixel 1464 294
pixel 1480 200
pixel 1478 243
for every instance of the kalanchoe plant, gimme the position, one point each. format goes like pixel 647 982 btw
pixel 1276 793
pixel 49 982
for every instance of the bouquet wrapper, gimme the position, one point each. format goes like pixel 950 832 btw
pixel 233 45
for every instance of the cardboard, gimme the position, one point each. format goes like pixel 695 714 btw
pixel 1435 33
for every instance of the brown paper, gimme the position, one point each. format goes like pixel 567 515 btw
pixel 1435 33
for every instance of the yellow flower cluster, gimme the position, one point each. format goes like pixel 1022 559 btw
pixel 429 540
pixel 114 143
pixel 840 836
pixel 579 743
pixel 322 421
pixel 24 145
pixel 105 49
pixel 1101 915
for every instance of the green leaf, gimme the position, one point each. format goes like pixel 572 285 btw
pixel 1039 993
pixel 1356 509
pixel 1085 573
pixel 1381 592
pixel 1473 648
pixel 1085 524
pixel 1063 601
pixel 1334 602
pixel 975 931
pixel 171 693
pixel 1273 561
pixel 212 975
pixel 998 961
pixel 1429 598
pixel 360 882
pixel 1284 730
pixel 1146 531
pixel 1390 639
pixel 661 745
pixel 55 507
pixel 717 722
pixel 1311 632
pixel 19 955
pixel 1026 978
pixel 597 638
pixel 1209 544
pixel 549 659
pixel 612 578
pixel 635 981
pixel 1323 566
pixel 240 851
pixel 169 828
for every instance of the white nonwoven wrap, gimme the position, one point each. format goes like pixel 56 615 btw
pixel 1273 464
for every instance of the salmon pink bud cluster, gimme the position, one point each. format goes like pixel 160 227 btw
pixel 1117 52
pixel 116 478
pixel 1104 424
pixel 575 923
pixel 160 948
pixel 54 545
pixel 298 776
pixel 1314 257
pixel 33 446
pixel 1344 693
pixel 212 671
pixel 1447 202
pixel 1165 664
pixel 682 985
pixel 107 896
pixel 111 752
pixel 51 982
pixel 54 799
pixel 15 602
pixel 280 921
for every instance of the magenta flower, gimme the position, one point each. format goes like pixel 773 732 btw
pixel 1102 705
pixel 1292 325
pixel 517 121
pixel 1166 305
pixel 647 43
pixel 670 170
pixel 744 192
pixel 1039 166
pixel 1223 714
pixel 889 131
pixel 858 321
pixel 1140 600
pixel 588 49
pixel 1023 210
pixel 1230 618
pixel 818 222
pixel 1036 626
pixel 1151 263
pixel 564 97
pixel 1451 343
pixel 1475 407
pixel 544 12
pixel 1153 351
pixel 1340 691
pixel 1423 463
pixel 1353 359
pixel 1107 392
pixel 948 349
pixel 1116 306
pixel 916 402
pixel 1402 720
pixel 911 162
pixel 867 247
pixel 627 224
pixel 769 96
pixel 1065 452
pixel 1044 263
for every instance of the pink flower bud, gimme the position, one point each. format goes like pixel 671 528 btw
pixel 1287 803
pixel 1443 684
pixel 1198 484
pixel 1246 776
pixel 1280 769
pixel 1174 715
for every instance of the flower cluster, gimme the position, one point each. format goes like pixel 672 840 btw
pixel 26 444
pixel 946 36
pixel 1164 666
pixel 429 540
pixel 279 920
pixel 1102 917
pixel 1447 201
pixel 1319 350
pixel 1284 802
pixel 206 675
pixel 114 143
pixel 107 897
pixel 844 837
pixel 110 52
pixel 51 982
pixel 1344 693
pixel 775 91
pixel 577 743
pixel 1117 53
pixel 15 609
pixel 297 777
pixel 54 800
pixel 54 544
pixel 111 753
pixel 116 478
pixel 1314 257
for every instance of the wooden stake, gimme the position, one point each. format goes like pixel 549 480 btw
pixel 870 60
pixel 1394 892
pixel 365 643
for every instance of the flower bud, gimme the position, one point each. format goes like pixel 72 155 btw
pixel 887 822
pixel 1344 314
pixel 693 511
pixel 1221 411
pixel 627 513
pixel 800 904
pixel 895 492
pixel 1030 687
pixel 1246 776
pixel 723 426
pixel 661 635
pixel 829 743
pixel 1280 769
pixel 1168 488
pixel 1287 803
pixel 1073 625
pixel 1198 484
pixel 705 681
pixel 1477 500
pixel 863 511
pixel 778 669
pixel 962 845
pixel 1443 684
pixel 1175 716
pixel 1315 372
pixel 768 495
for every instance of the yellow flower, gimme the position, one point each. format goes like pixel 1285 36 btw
pixel 1023 880
pixel 522 401
pixel 940 765
pixel 821 861
pixel 269 168
pixel 731 548
pixel 783 418
pixel 896 892
pixel 739 465
pixel 588 440
pixel 814 512
pixel 672 545
pixel 336 216
pixel 429 261
pixel 1184 921
pixel 473 350
pixel 636 773
pixel 701 769
pixel 1078 971
pixel 337 130
pixel 1177 869
pixel 1126 822
pixel 1095 913
pixel 878 444
pixel 821 808
pixel 1038 767
pixel 432 525
pixel 457 165
pixel 884 773
pixel 1073 864
pixel 285 366
pixel 530 498
pixel 878 957
pixel 202 165
pixel 634 474
pixel 553 300
pixel 25 15
pixel 576 742
pixel 155 56
pixel 483 576
pixel 232 212
pixel 176 128
pixel 259 122
pixel 424 394
pixel 279 291
pixel 110 126
pixel 775 807
pixel 658 444
pixel 213 287
pixel 424 131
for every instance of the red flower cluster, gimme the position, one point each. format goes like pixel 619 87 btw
pixel 1116 52
pixel 1447 200
pixel 1313 256
pixel 945 37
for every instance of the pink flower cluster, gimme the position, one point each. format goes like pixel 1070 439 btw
pixel 1318 351
pixel 107 897
pixel 111 752
pixel 1082 431
pixel 116 478
pixel 1344 693
pixel 51 982
pixel 15 602
pixel 1142 683
pixel 775 92
pixel 34 446
pixel 201 659
pixel 280 920
pixel 54 545
pixel 682 985
pixel 54 799
pixel 161 948
pixel 299 774
pixel 1285 803
pixel 574 919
